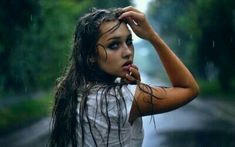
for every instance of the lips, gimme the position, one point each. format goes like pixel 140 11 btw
pixel 127 65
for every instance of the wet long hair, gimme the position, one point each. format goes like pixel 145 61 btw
pixel 82 72
pixel 81 75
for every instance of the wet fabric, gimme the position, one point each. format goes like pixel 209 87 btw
pixel 96 122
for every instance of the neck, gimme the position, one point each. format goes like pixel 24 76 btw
pixel 101 77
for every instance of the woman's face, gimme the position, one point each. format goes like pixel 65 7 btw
pixel 115 49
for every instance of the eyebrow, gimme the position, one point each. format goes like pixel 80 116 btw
pixel 118 37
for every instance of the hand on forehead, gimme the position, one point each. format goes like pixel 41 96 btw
pixel 107 28
pixel 113 30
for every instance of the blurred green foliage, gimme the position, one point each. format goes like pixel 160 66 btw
pixel 35 40
pixel 25 112
pixel 202 32
pixel 211 89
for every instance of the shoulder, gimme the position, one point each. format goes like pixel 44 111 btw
pixel 125 89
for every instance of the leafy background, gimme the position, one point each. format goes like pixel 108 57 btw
pixel 36 38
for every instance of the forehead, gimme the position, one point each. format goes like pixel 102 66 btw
pixel 108 29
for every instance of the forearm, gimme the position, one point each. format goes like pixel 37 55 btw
pixel 177 72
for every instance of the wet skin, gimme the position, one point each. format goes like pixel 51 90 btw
pixel 115 49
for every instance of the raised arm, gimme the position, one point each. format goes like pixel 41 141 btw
pixel 153 100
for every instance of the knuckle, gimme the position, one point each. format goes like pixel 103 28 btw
pixel 142 15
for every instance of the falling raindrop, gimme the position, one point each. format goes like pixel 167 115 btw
pixel 213 43
pixel 211 71
pixel 179 42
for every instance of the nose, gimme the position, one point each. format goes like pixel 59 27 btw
pixel 127 51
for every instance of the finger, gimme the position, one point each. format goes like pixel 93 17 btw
pixel 136 16
pixel 135 73
pixel 130 79
pixel 134 69
pixel 130 8
pixel 134 66
pixel 132 24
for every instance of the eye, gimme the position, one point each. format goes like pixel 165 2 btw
pixel 129 41
pixel 114 45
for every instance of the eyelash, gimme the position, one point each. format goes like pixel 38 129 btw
pixel 115 45
pixel 129 41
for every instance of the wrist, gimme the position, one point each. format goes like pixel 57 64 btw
pixel 154 38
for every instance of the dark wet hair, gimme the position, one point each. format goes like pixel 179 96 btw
pixel 83 72
pixel 86 35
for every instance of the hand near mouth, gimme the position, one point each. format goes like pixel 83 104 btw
pixel 133 76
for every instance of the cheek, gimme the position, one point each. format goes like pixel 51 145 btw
pixel 102 55
pixel 108 61
pixel 113 57
pixel 103 59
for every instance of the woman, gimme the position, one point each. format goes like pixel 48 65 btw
pixel 94 108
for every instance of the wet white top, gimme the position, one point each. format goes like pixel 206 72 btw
pixel 130 135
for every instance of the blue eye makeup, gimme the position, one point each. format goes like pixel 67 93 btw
pixel 129 41
pixel 114 45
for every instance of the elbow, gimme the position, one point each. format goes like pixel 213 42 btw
pixel 195 90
